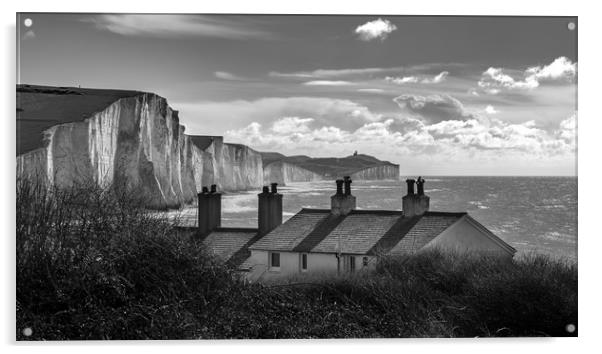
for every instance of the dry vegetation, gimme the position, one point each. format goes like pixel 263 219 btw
pixel 94 264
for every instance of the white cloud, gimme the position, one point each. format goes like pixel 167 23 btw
pixel 372 90
pixel 432 108
pixel 414 79
pixel 368 72
pixel 491 110
pixel 326 140
pixel 290 125
pixel 520 140
pixel 452 138
pixel 562 70
pixel 567 131
pixel 402 80
pixel 175 26
pixel 216 117
pixel 437 79
pixel 327 83
pixel 224 75
pixel 495 78
pixel 321 73
pixel 438 128
pixel 377 29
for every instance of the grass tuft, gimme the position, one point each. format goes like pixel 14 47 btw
pixel 93 263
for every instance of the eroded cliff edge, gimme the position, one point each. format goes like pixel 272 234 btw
pixel 69 136
pixel 285 169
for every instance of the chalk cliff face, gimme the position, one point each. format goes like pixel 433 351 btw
pixel 377 173
pixel 138 141
pixel 69 136
pixel 301 168
pixel 283 172
pixel 235 166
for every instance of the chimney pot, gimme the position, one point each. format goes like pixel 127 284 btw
pixel 339 183
pixel 213 188
pixel 274 187
pixel 410 183
pixel 347 181
pixel 420 185
pixel 205 190
pixel 266 189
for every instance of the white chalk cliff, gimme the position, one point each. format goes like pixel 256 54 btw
pixel 388 172
pixel 283 172
pixel 138 141
pixel 69 136
pixel 301 168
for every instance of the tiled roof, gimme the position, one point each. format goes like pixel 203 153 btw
pixel 288 235
pixel 323 229
pixel 226 243
pixel 430 225
pixel 392 237
pixel 356 233
pixel 359 232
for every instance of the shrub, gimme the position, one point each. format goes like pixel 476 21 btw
pixel 534 295
pixel 93 263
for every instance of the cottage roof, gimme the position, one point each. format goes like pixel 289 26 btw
pixel 230 244
pixel 424 231
pixel 359 232
pixel 290 234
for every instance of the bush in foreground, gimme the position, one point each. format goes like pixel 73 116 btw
pixel 94 264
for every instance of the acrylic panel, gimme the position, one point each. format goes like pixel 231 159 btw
pixel 205 176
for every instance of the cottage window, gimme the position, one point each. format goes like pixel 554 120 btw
pixel 349 263
pixel 274 260
pixel 365 261
pixel 303 262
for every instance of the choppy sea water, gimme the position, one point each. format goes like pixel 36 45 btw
pixel 531 213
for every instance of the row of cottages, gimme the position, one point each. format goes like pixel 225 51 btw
pixel 341 239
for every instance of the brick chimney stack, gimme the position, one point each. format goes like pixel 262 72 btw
pixel 342 203
pixel 415 204
pixel 209 210
pixel 269 209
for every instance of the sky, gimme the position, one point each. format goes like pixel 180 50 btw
pixel 436 95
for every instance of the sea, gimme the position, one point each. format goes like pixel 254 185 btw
pixel 533 214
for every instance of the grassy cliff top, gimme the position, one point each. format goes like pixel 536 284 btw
pixel 327 166
pixel 41 107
